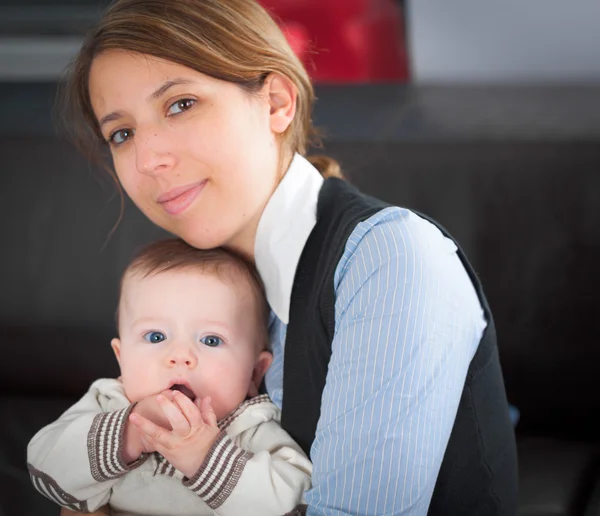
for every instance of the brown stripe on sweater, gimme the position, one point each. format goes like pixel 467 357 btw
pixel 230 480
pixel 165 466
pixel 44 489
pixel 92 446
pixel 98 440
pixel 77 507
pixel 158 458
pixel 219 471
pixel 104 452
pixel 220 441
pixel 105 445
pixel 110 437
pixel 118 440
pixel 54 492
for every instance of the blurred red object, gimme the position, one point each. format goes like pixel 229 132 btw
pixel 351 41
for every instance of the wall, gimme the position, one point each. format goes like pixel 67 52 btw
pixel 504 41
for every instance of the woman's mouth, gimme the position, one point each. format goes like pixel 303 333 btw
pixel 177 200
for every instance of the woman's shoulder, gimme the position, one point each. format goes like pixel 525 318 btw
pixel 395 220
pixel 395 232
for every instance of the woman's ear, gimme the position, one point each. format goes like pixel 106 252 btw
pixel 115 344
pixel 282 96
pixel 263 362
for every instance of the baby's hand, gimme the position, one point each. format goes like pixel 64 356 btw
pixel 149 409
pixel 193 430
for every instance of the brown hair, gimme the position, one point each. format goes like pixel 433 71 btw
pixel 231 40
pixel 174 254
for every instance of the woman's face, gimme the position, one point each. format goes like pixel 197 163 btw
pixel 199 156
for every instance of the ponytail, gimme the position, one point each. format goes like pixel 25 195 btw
pixel 328 167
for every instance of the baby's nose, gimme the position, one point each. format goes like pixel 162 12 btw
pixel 181 357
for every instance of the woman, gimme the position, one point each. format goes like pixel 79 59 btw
pixel 385 360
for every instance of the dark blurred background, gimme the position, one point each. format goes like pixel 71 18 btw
pixel 484 115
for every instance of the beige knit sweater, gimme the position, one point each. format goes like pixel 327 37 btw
pixel 254 468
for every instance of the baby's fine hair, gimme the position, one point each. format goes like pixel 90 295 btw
pixel 174 254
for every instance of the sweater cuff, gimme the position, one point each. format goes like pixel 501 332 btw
pixel 105 445
pixel 219 473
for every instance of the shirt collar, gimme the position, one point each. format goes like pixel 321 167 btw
pixel 283 229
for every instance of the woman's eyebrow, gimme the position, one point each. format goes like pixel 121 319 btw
pixel 115 115
pixel 172 82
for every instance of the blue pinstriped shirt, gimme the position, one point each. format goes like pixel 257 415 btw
pixel 407 324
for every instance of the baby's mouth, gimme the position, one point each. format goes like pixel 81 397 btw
pixel 184 390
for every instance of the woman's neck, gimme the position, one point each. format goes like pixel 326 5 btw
pixel 244 242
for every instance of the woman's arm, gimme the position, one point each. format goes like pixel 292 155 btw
pixel 408 322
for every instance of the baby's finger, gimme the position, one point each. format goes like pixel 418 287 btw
pixel 168 393
pixel 155 435
pixel 179 422
pixel 187 407
pixel 208 413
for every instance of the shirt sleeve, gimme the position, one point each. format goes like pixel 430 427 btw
pixel 265 472
pixel 76 460
pixel 408 322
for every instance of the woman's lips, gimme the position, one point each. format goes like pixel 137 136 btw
pixel 176 201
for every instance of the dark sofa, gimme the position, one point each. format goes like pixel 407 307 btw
pixel 513 174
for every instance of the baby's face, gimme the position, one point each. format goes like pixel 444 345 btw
pixel 192 331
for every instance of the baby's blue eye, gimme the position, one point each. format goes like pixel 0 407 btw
pixel 211 340
pixel 154 337
pixel 180 106
pixel 120 136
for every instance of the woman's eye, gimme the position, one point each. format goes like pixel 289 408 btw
pixel 154 337
pixel 211 340
pixel 180 106
pixel 120 136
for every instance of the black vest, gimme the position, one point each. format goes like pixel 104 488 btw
pixel 478 475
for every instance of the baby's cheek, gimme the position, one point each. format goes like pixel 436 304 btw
pixel 135 382
pixel 130 392
pixel 232 394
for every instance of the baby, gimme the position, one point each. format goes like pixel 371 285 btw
pixel 184 429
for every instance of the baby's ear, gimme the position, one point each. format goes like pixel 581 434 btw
pixel 263 362
pixel 115 344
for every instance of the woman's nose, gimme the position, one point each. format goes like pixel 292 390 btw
pixel 152 153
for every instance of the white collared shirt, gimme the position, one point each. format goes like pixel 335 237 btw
pixel 284 228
